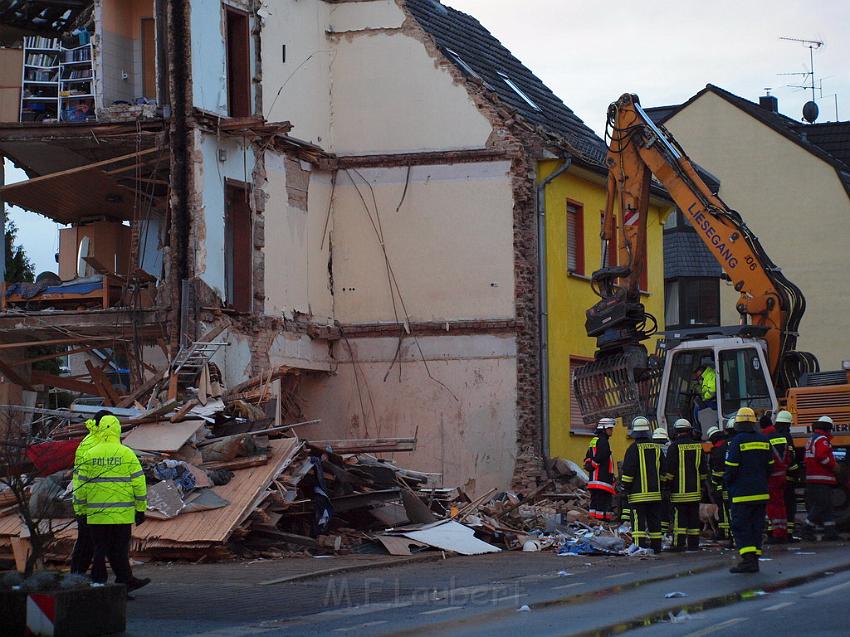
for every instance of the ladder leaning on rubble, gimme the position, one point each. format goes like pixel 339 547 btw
pixel 192 358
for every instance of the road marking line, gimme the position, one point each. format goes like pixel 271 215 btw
pixel 777 606
pixel 717 627
pixel 560 588
pixel 615 575
pixel 360 610
pixel 441 610
pixel 360 626
pixel 827 591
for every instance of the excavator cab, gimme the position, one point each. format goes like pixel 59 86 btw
pixel 742 377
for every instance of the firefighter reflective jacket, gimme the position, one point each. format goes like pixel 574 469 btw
pixel 708 387
pixel 642 471
pixel 820 461
pixel 784 461
pixel 112 485
pixel 717 465
pixel 600 464
pixel 749 461
pixel 685 468
pixel 86 443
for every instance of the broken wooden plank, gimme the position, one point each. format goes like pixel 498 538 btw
pixel 259 380
pixel 13 376
pixel 185 409
pixel 43 378
pixel 366 445
pixel 140 391
pixel 238 463
pixel 103 383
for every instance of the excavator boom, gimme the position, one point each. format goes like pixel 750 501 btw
pixel 622 378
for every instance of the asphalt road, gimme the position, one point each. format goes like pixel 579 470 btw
pixel 485 595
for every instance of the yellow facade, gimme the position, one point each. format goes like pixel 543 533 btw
pixel 569 295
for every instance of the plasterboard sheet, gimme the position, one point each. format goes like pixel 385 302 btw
pixel 164 436
pixel 452 536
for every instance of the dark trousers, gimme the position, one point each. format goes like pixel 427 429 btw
pixel 686 525
pixel 723 511
pixel 791 506
pixel 819 511
pixel 666 512
pixel 111 541
pixel 748 526
pixel 646 524
pixel 83 552
pixel 601 504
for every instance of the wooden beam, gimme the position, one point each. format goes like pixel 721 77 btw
pixel 103 383
pixel 47 357
pixel 42 378
pixel 13 376
pixel 60 341
pixel 366 445
pixel 140 391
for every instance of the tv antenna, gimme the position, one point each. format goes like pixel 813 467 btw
pixel 810 108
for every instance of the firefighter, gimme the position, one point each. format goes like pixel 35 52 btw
pixel 600 465
pixel 821 476
pixel 784 420
pixel 685 470
pixel 660 436
pixel 112 488
pixel 783 463
pixel 748 465
pixel 642 481
pixel 717 467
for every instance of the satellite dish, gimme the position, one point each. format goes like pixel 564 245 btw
pixel 810 112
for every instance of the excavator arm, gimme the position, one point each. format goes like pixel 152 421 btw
pixel 639 149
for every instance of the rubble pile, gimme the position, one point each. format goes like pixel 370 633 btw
pixel 229 476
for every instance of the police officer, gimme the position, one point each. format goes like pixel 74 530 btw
pixel 784 463
pixel 642 481
pixel 600 465
pixel 717 468
pixel 113 494
pixel 685 469
pixel 821 476
pixel 784 420
pixel 748 465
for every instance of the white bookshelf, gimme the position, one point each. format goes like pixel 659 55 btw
pixel 56 81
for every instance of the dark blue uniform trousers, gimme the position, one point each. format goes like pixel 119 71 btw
pixel 748 526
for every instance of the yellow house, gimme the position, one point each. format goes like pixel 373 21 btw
pixel 574 203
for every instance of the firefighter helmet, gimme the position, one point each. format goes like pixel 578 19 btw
pixel 605 423
pixel 682 424
pixel 745 414
pixel 784 416
pixel 640 424
pixel 712 431
pixel 660 434
pixel 824 423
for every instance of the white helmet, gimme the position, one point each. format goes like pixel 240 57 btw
pixel 784 416
pixel 640 424
pixel 682 424
pixel 660 434
pixel 711 431
pixel 606 423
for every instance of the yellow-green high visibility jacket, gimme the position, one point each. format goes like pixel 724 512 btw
pixel 112 484
pixel 708 388
pixel 87 443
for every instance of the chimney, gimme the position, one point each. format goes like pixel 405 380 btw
pixel 769 102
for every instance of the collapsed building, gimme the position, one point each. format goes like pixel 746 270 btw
pixel 336 197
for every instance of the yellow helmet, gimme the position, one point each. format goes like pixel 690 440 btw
pixel 745 414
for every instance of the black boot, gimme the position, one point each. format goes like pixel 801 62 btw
pixel 809 533
pixel 137 582
pixel 749 564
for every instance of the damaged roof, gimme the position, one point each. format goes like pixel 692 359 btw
pixel 829 142
pixel 46 17
pixel 477 53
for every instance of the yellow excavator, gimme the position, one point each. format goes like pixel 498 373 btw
pixel 756 362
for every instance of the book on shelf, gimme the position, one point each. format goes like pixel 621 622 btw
pixel 39 42
pixel 42 59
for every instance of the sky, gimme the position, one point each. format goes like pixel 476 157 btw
pixel 589 53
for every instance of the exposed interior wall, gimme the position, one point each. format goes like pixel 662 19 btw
pixel 296 266
pixel 371 115
pixel 238 165
pixel 120 48
pixel 209 55
pixel 795 204
pixel 449 244
pixel 334 81
pixel 570 296
pixel 466 431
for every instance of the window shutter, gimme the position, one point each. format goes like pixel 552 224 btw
pixel 571 238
